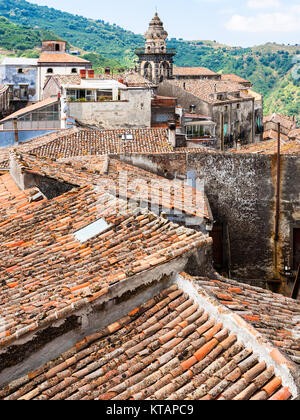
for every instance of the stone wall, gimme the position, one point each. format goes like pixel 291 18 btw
pixel 241 190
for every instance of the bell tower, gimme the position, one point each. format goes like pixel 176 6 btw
pixel 156 60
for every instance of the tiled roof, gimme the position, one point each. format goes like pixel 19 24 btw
pixel 284 120
pixel 30 108
pixel 206 89
pixel 46 57
pixel 234 78
pixel 46 274
pixel 270 148
pixel 12 199
pixel 275 317
pixel 170 348
pixel 294 134
pixel 71 79
pixel 100 142
pixel 35 143
pixel 273 135
pixel 81 142
pixel 193 71
pixel 130 182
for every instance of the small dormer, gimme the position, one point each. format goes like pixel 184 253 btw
pixel 54 46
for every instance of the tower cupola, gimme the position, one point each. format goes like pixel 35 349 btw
pixel 156 37
pixel 155 59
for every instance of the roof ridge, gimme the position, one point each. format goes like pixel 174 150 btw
pixel 284 366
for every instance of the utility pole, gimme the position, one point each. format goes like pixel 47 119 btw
pixel 278 186
pixel 16 131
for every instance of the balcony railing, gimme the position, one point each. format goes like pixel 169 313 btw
pixel 143 51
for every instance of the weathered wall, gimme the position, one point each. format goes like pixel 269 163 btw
pixel 241 190
pixel 133 111
pixel 239 110
pixel 9 76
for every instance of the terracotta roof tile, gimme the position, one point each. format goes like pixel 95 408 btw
pixel 51 274
pixel 81 142
pixel 285 120
pixel 128 181
pixel 46 58
pixel 234 78
pixel 193 71
pixel 120 362
pixel 275 317
pixel 206 89
pixel 289 147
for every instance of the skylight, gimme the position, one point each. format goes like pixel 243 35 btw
pixel 127 137
pixel 92 230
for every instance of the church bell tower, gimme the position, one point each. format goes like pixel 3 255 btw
pixel 156 60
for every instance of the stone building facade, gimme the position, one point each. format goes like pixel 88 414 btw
pixel 234 109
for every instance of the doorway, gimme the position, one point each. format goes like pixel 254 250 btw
pixel 217 234
pixel 296 248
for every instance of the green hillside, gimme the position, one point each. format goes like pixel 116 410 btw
pixel 20 40
pixel 268 67
pixel 90 35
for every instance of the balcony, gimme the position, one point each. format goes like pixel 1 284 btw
pixel 143 51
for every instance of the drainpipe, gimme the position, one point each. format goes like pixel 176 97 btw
pixel 16 131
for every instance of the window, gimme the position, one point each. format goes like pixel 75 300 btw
pixel 92 230
pixel 57 47
pixel 20 71
pixel 24 92
pixel 225 129
pixel 49 71
pixel 74 71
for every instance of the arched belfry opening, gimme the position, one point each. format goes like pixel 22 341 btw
pixel 164 71
pixel 148 71
pixel 155 53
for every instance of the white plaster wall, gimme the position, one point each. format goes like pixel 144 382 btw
pixel 133 111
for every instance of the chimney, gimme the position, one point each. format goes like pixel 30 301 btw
pixel 91 74
pixel 172 133
pixel 83 73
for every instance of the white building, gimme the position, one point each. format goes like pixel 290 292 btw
pixel 108 104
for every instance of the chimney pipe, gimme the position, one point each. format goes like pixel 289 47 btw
pixel 172 134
